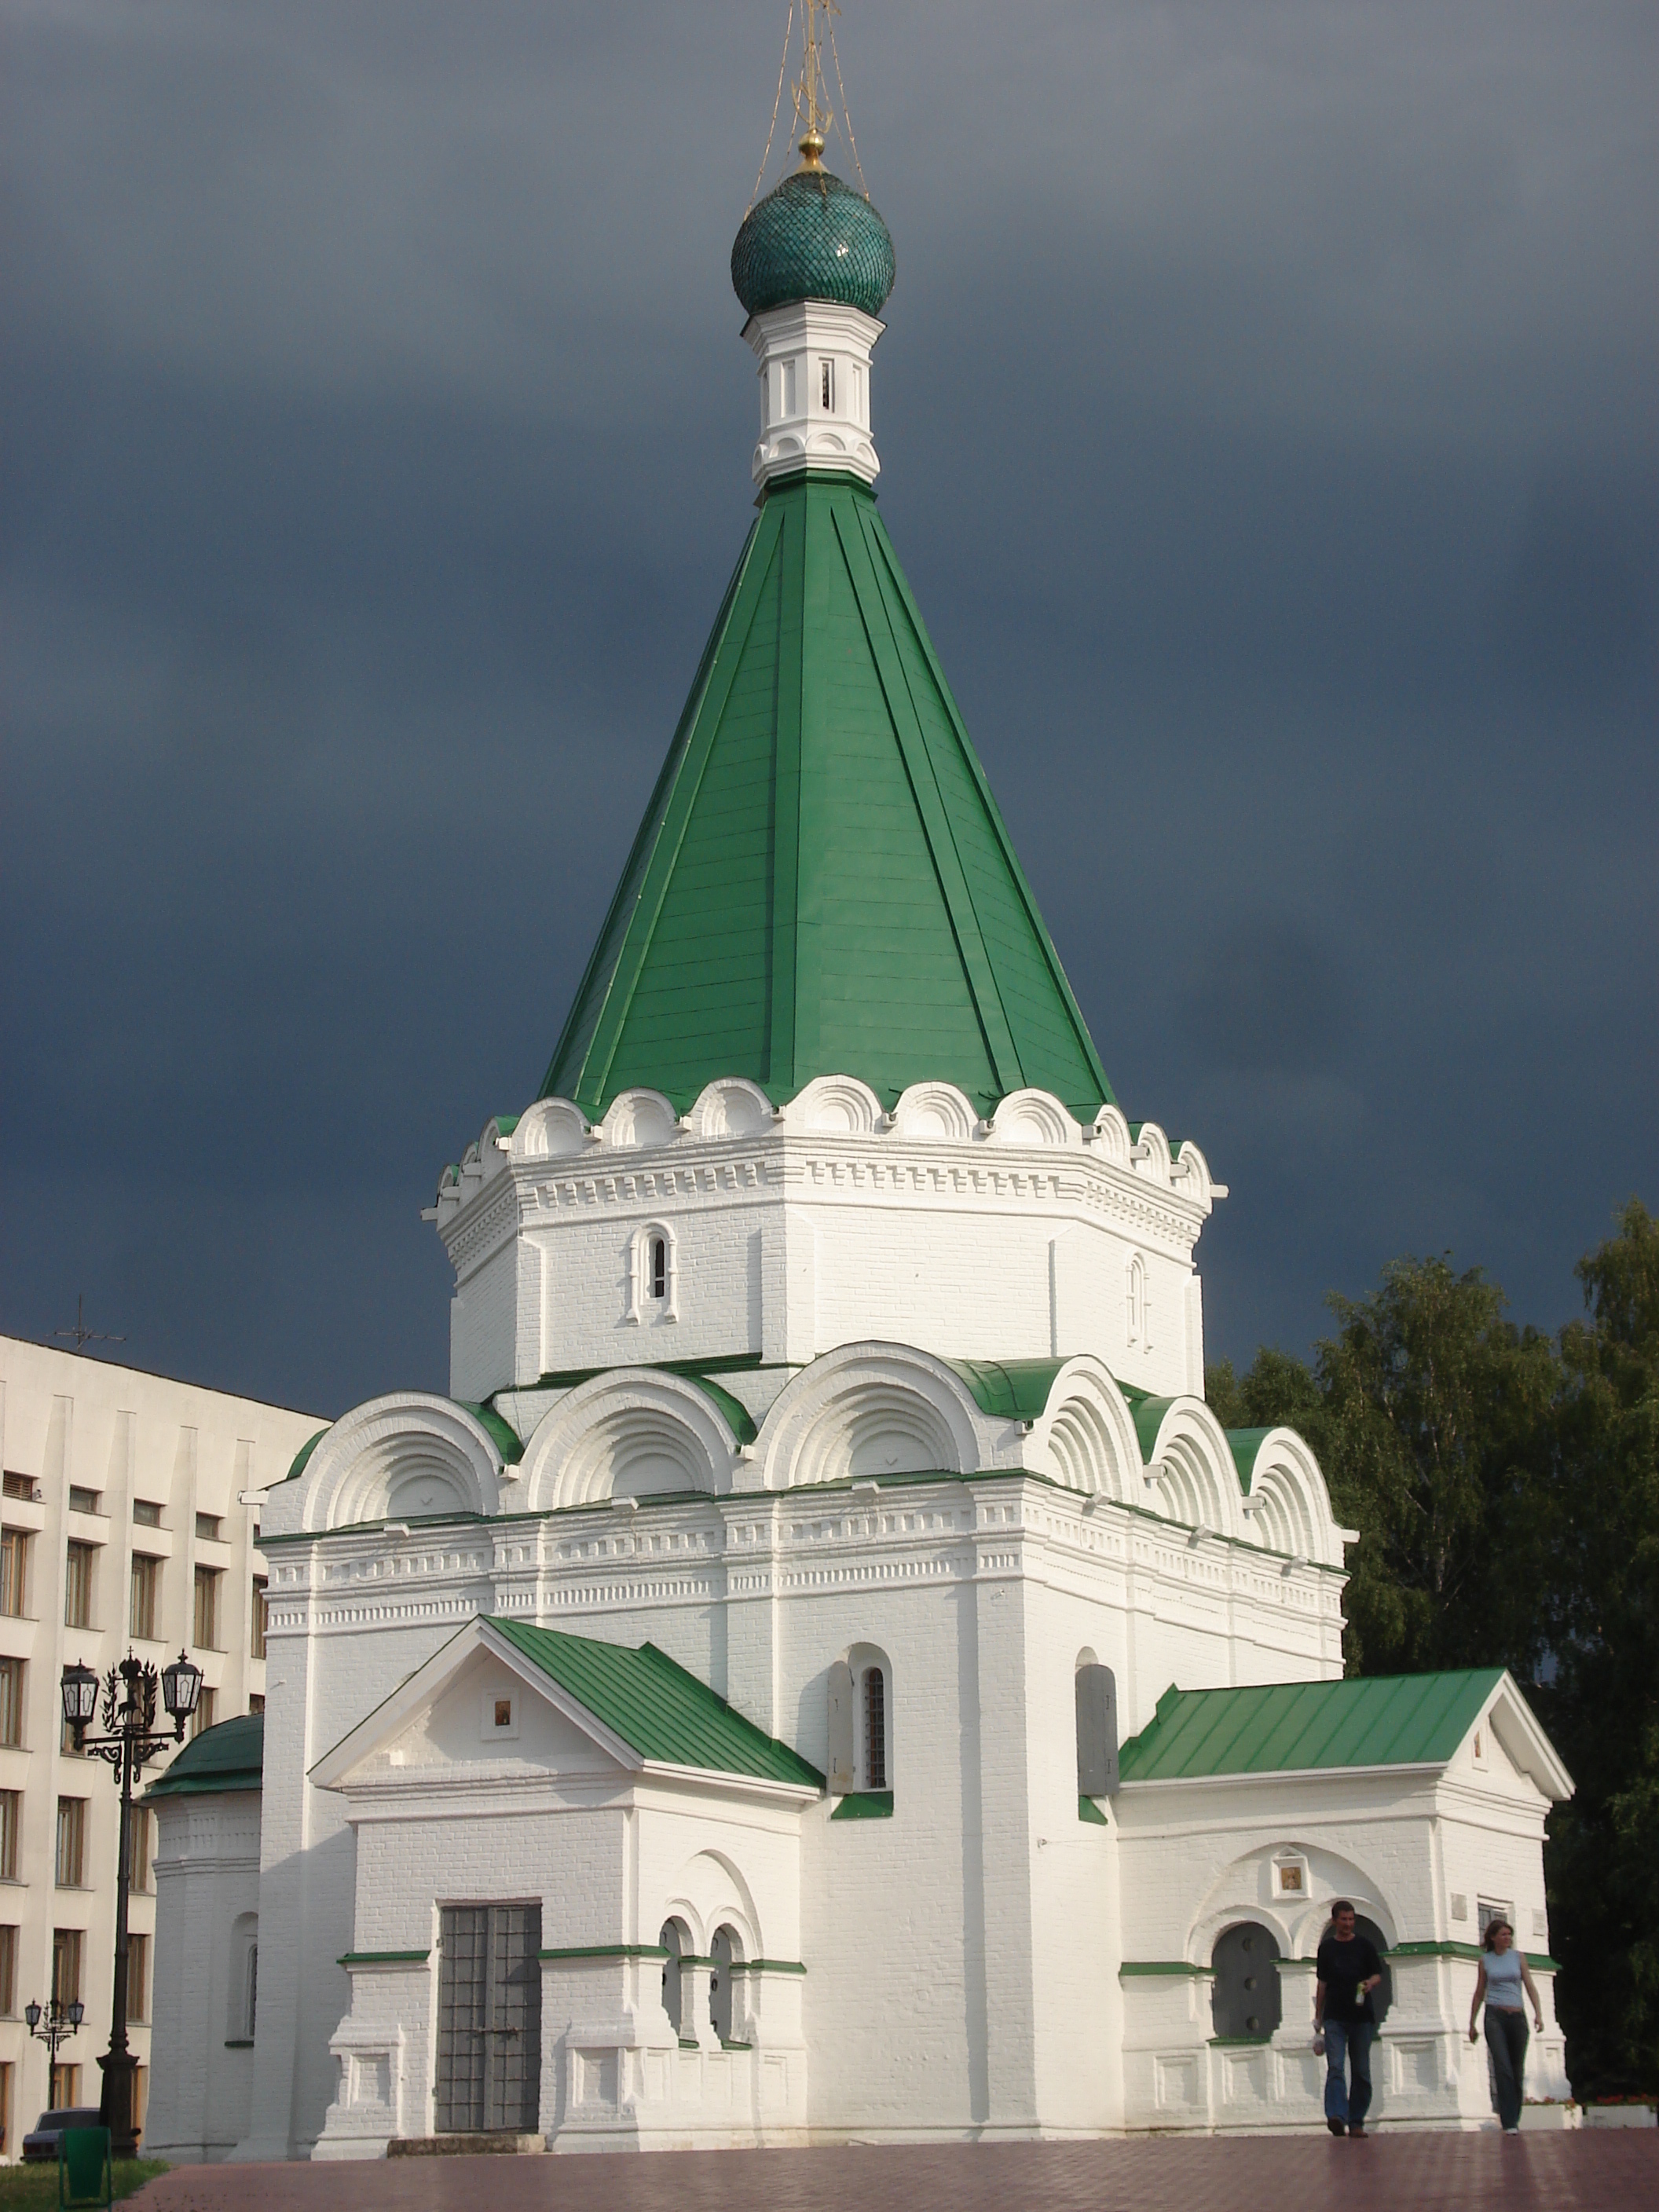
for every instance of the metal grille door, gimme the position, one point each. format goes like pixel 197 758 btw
pixel 489 2019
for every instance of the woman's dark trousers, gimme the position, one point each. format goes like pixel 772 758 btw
pixel 1506 2039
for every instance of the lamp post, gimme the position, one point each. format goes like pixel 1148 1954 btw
pixel 129 1741
pixel 62 2021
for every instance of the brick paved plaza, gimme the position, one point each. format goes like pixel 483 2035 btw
pixel 1422 2172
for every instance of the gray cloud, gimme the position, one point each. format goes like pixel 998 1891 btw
pixel 1268 411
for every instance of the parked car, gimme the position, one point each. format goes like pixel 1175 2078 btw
pixel 41 2140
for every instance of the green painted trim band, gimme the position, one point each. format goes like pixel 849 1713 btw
pixel 1475 1952
pixel 1176 1966
pixel 605 1951
pixel 382 1958
pixel 767 1966
pixel 1091 1813
pixel 239 2043
pixel 865 1805
pixel 1235 2042
pixel 721 1363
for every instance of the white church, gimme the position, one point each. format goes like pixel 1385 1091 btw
pixel 824 1672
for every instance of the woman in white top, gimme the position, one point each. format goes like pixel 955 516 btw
pixel 1499 1980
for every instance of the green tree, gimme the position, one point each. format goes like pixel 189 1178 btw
pixel 1431 1415
pixel 1602 1707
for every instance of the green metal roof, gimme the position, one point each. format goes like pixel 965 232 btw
pixel 811 238
pixel 659 1708
pixel 822 883
pixel 231 1756
pixel 1016 1390
pixel 301 1458
pixel 500 1431
pixel 1244 1444
pixel 1381 1720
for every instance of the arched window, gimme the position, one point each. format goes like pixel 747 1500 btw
pixel 1096 1728
pixel 723 1950
pixel 860 1747
pixel 874 1746
pixel 244 1977
pixel 653 1287
pixel 675 1940
pixel 1139 1307
pixel 1245 1995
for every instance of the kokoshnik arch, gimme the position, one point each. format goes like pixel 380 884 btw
pixel 824 1671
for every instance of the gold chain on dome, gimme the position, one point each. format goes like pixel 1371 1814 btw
pixel 810 94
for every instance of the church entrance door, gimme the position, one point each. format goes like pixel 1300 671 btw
pixel 489 2019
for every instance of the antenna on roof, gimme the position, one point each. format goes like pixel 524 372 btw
pixel 81 1334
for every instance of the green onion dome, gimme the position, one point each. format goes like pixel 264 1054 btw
pixel 812 238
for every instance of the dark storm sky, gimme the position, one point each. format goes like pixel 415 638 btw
pixel 1271 434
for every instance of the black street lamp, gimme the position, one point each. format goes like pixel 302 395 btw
pixel 128 1742
pixel 62 2021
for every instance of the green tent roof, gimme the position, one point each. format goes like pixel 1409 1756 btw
pixel 822 883
pixel 231 1756
pixel 1276 1728
pixel 659 1708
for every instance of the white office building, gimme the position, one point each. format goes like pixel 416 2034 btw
pixel 130 1518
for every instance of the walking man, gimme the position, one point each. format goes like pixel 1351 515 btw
pixel 1345 1972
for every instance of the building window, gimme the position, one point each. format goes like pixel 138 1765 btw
pixel 208 1526
pixel 145 1514
pixel 206 1625
pixel 250 1991
pixel 137 1977
pixel 145 1597
pixel 1488 1909
pixel 1139 1305
pixel 1095 1691
pixel 138 1841
pixel 875 1728
pixel 9 1972
pixel 655 1290
pixel 66 1944
pixel 77 1586
pixel 260 1619
pixel 827 385
pixel 207 1712
pixel 256 1704
pixel 71 1843
pixel 676 1942
pixel 11 1701
pixel 23 1487
pixel 723 1950
pixel 11 1820
pixel 65 2087
pixel 14 1572
pixel 5 2108
pixel 85 1501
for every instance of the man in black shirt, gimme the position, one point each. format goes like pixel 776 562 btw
pixel 1345 1972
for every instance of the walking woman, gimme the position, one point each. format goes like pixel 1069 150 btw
pixel 1500 1980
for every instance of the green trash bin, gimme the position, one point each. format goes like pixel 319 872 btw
pixel 85 2173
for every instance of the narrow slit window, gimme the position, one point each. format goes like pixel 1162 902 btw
pixel 659 1267
pixel 827 385
pixel 875 1730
